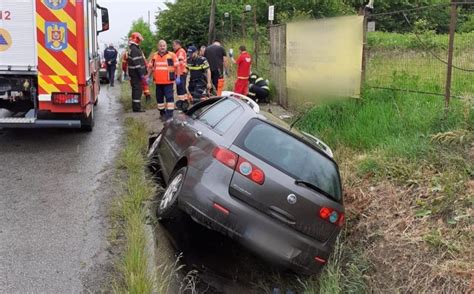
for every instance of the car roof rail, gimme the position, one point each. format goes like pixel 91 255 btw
pixel 244 98
pixel 324 147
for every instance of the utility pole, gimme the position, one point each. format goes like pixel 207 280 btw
pixel 148 18
pixel 212 22
pixel 452 30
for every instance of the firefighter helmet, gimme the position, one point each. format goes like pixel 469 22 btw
pixel 136 38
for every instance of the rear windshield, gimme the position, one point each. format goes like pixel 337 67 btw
pixel 291 156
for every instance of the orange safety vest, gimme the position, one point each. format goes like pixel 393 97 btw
pixel 164 67
pixel 182 58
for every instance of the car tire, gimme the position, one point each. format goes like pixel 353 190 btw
pixel 153 163
pixel 168 203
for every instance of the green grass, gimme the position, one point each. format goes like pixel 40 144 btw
pixel 135 277
pixel 407 140
pixel 399 61
pixel 398 123
pixel 131 214
pixel 391 41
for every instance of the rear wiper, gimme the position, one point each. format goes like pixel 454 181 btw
pixel 314 187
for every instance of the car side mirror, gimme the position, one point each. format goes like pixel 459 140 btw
pixel 105 19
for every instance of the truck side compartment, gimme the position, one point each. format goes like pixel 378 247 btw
pixel 54 81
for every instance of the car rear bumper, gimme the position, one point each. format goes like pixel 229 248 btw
pixel 261 233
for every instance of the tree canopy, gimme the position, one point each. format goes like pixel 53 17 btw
pixel 149 42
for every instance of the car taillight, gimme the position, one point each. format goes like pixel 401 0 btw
pixel 225 156
pixel 332 216
pixel 66 98
pixel 240 164
pixel 251 171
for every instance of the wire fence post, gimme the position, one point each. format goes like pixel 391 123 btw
pixel 452 30
pixel 363 12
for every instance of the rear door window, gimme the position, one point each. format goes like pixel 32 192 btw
pixel 229 120
pixel 218 112
pixel 291 156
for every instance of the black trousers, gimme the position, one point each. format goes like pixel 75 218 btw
pixel 111 73
pixel 137 90
pixel 215 76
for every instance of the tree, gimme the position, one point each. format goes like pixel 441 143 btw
pixel 149 43
pixel 188 20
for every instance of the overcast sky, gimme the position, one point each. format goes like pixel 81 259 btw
pixel 123 12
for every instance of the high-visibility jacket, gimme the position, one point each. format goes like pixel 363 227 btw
pixel 182 56
pixel 164 68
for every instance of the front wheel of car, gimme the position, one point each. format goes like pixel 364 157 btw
pixel 168 204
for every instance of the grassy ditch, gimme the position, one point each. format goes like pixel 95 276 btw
pixel 130 212
pixel 408 178
pixel 136 274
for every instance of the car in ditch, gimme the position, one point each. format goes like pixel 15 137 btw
pixel 243 172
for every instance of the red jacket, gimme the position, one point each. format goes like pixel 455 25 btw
pixel 243 65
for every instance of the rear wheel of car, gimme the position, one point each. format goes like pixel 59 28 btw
pixel 168 204
pixel 153 160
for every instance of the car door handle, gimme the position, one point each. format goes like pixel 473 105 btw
pixel 198 134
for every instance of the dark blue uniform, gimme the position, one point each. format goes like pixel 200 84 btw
pixel 110 56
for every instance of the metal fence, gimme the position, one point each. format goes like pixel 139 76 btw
pixel 418 60
pixel 414 61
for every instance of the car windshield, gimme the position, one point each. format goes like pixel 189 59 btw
pixel 291 156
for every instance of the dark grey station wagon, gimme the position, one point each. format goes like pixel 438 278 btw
pixel 245 173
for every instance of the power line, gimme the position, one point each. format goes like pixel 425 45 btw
pixel 420 8
pixel 425 47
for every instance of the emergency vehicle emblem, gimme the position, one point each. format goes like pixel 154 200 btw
pixel 55 4
pixel 5 40
pixel 56 35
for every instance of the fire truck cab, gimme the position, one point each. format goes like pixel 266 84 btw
pixel 49 63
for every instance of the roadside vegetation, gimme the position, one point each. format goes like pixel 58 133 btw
pixel 407 165
pixel 408 173
pixel 130 214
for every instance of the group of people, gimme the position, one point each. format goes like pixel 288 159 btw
pixel 196 73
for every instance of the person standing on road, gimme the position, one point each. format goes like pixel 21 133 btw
pixel 110 56
pixel 164 66
pixel 136 69
pixel 181 54
pixel 217 58
pixel 244 63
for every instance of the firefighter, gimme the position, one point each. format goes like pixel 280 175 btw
pixel 182 57
pixel 259 89
pixel 136 69
pixel 110 56
pixel 244 62
pixel 199 75
pixel 164 67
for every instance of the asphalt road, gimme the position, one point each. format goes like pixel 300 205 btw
pixel 55 188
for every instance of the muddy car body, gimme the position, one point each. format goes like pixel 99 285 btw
pixel 245 174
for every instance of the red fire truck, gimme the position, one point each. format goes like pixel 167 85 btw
pixel 49 63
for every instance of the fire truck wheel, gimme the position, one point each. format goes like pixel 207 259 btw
pixel 87 124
